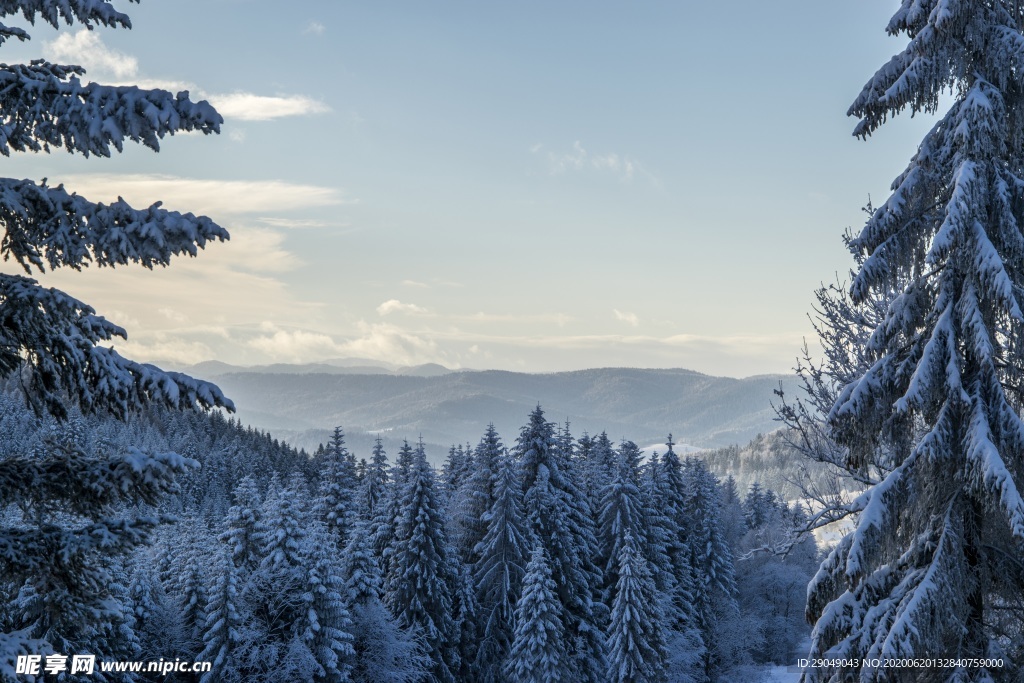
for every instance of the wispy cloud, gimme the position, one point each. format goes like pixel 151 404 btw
pixel 627 317
pixel 213 197
pixel 580 159
pixel 246 106
pixel 396 306
pixel 315 28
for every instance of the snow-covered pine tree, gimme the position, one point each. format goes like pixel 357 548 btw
pixel 324 626
pixel 359 568
pixel 538 645
pixel 337 488
pixel 476 496
pixel 385 521
pixel 157 621
pixel 455 468
pixel 655 546
pixel 382 650
pixel 671 499
pixel 223 630
pixel 375 481
pixel 192 585
pixel 421 579
pixel 934 558
pixel 243 520
pixel 504 553
pixel 621 513
pixel 67 525
pixel 598 467
pixel 275 588
pixel 714 586
pixel 560 522
pixel 637 652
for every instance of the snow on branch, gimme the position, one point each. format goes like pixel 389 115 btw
pixel 87 12
pixel 48 224
pixel 46 106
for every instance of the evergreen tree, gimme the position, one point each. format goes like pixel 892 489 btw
pixel 385 521
pixel 636 639
pixel 671 499
pixel 421 579
pixel 382 650
pixel 711 561
pixel 324 625
pixel 936 415
pixel 476 496
pixel 66 506
pixel 621 511
pixel 499 571
pixel 193 596
pixel 359 568
pixel 560 522
pixel 157 622
pixel 334 507
pixel 538 646
pixel 222 631
pixel 375 482
pixel 243 520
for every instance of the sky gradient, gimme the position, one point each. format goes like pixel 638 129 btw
pixel 524 187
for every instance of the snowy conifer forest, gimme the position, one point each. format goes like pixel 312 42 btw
pixel 141 522
pixel 547 557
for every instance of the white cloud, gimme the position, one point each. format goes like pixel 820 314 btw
pixel 297 223
pixel 163 347
pixel 414 283
pixel 212 197
pixel 396 306
pixel 246 106
pixel 627 317
pixel 296 345
pixel 316 28
pixel 86 49
pixel 394 345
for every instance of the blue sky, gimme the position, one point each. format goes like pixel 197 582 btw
pixel 527 186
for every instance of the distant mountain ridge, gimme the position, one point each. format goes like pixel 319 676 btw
pixel 301 403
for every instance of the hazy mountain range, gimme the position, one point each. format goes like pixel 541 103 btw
pixel 300 403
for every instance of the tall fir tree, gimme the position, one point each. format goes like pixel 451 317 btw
pixel 222 631
pixel 324 625
pixel 538 652
pixel 622 512
pixel 375 482
pixel 710 559
pixel 637 651
pixel 564 529
pixel 421 579
pixel 335 504
pixel 243 520
pixel 476 496
pixel 498 573
pixel 937 413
